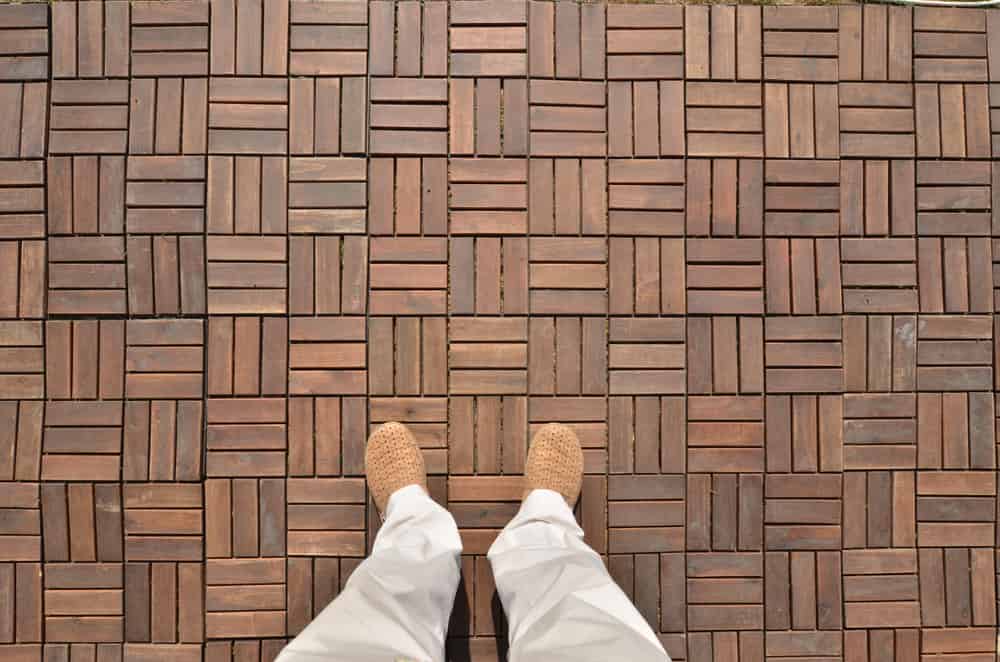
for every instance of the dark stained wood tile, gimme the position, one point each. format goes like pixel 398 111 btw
pixel 747 253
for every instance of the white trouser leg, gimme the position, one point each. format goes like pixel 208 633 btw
pixel 561 603
pixel 397 603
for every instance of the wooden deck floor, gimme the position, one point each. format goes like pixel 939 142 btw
pixel 746 252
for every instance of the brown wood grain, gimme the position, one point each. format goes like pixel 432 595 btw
pixel 745 252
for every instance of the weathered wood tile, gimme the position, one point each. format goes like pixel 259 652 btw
pixel 749 253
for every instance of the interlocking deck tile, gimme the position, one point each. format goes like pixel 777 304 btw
pixel 747 253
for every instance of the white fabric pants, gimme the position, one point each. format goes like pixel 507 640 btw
pixel 560 601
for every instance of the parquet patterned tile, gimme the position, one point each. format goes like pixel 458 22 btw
pixel 802 44
pixel 162 440
pixel 98 287
pixel 22 242
pixel 24 53
pixel 164 602
pixel 748 253
pixel 245 437
pixel 88 116
pixel 96 456
pixel 22 348
pixel 22 526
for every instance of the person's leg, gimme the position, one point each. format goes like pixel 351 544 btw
pixel 397 602
pixel 560 601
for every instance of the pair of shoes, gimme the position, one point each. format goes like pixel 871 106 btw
pixel 393 460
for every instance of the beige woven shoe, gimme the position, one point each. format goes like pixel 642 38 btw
pixel 555 462
pixel 393 460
